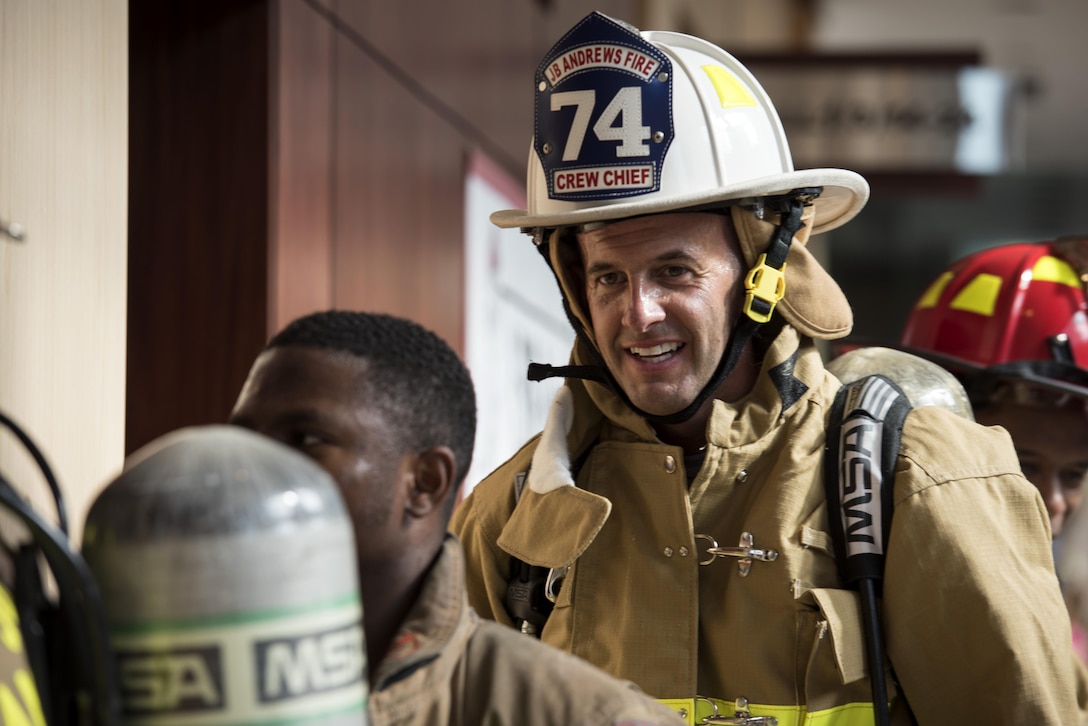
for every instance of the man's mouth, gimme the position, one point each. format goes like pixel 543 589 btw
pixel 654 353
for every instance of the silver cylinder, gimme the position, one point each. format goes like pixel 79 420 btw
pixel 226 563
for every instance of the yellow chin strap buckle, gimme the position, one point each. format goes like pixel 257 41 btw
pixel 764 286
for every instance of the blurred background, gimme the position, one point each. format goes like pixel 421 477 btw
pixel 180 179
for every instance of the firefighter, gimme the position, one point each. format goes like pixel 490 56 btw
pixel 387 408
pixel 1011 322
pixel 674 499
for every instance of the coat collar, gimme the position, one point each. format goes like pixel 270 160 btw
pixel 438 617
pixel 552 526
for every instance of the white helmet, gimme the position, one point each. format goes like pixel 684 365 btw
pixel 630 123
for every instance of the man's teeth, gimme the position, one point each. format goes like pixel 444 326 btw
pixel 656 351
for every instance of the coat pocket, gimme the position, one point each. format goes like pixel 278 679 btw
pixel 839 640
pixel 831 650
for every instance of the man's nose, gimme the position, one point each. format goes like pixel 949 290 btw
pixel 644 307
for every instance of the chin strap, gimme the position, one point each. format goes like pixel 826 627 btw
pixel 764 286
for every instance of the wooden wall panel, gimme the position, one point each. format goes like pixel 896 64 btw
pixel 412 99
pixel 294 155
pixel 399 172
pixel 301 165
pixel 198 209
pixel 476 58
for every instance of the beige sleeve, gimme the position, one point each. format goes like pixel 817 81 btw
pixel 977 631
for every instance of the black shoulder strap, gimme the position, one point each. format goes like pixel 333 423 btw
pixel 864 431
pixel 863 436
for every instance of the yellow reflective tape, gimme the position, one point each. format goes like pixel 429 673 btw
pixel 933 292
pixel 12 713
pixel 731 92
pixel 685 707
pixel 695 710
pixel 979 295
pixel 25 683
pixel 10 636
pixel 1051 269
pixel 852 714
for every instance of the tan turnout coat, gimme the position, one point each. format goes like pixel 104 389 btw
pixel 976 630
pixel 449 667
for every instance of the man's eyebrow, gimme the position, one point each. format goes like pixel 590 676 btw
pixel 599 267
pixel 677 255
pixel 307 415
pixel 674 255
pixel 293 417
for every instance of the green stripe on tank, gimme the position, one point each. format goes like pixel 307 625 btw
pixel 252 616
pixel 307 718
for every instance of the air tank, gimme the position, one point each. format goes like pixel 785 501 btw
pixel 226 563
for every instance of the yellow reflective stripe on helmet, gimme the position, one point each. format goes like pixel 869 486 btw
pixel 979 295
pixel 1052 269
pixel 731 92
pixel 933 292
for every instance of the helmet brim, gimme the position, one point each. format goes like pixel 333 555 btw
pixel 844 195
pixel 1053 376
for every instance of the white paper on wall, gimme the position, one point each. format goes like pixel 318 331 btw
pixel 514 316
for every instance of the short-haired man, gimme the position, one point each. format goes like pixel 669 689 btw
pixel 389 410
pixel 675 498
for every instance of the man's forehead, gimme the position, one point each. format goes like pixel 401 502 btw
pixel 301 358
pixel 304 371
pixel 658 236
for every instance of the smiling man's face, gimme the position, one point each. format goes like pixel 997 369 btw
pixel 662 293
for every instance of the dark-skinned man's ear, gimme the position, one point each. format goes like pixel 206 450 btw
pixel 434 471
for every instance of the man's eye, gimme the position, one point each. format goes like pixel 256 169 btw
pixel 306 439
pixel 1073 478
pixel 674 271
pixel 609 278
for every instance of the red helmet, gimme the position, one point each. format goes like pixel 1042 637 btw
pixel 1017 311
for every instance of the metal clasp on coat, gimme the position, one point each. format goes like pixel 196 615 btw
pixel 746 552
pixel 554 582
pixel 742 716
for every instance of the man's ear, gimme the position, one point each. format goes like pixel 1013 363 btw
pixel 434 471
